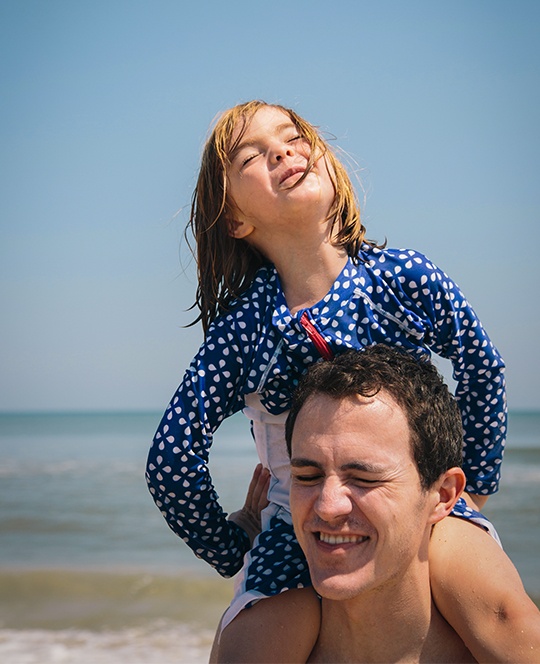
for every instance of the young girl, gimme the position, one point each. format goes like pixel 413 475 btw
pixel 286 277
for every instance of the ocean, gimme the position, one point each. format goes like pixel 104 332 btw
pixel 91 574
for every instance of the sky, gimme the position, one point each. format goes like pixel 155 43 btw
pixel 105 106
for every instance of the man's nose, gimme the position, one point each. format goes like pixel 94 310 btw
pixel 334 500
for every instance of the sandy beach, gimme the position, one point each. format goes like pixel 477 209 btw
pixel 91 617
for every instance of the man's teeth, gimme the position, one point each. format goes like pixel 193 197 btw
pixel 340 539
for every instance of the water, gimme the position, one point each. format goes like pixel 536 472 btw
pixel 89 571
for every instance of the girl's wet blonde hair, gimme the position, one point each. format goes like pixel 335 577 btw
pixel 226 266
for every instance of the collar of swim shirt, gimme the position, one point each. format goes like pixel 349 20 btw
pixel 324 314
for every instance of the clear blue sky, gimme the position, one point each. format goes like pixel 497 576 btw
pixel 104 108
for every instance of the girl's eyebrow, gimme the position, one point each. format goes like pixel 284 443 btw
pixel 278 129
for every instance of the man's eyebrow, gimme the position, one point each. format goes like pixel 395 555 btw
pixel 363 467
pixel 301 462
pixel 253 141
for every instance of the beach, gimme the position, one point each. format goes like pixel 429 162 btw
pixel 89 571
pixel 90 616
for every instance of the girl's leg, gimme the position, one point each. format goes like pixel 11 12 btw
pixel 279 629
pixel 479 592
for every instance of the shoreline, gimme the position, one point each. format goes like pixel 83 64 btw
pixel 78 598
pixel 86 616
pixel 54 598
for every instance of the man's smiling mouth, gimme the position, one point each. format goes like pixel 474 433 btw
pixel 342 539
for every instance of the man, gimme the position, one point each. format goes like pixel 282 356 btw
pixel 375 441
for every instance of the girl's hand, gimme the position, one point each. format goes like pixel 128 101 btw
pixel 249 517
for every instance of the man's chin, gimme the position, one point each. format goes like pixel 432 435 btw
pixel 340 587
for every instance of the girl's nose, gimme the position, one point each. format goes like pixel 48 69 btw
pixel 281 150
pixel 334 500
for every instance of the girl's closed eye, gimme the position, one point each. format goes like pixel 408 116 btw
pixel 301 142
pixel 248 158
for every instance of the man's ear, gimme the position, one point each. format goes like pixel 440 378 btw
pixel 240 229
pixel 448 489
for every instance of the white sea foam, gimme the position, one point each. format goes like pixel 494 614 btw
pixel 153 644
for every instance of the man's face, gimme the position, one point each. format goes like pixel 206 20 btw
pixel 358 508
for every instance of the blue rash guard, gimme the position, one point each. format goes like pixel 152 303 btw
pixel 259 350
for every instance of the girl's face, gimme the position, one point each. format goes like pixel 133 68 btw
pixel 269 160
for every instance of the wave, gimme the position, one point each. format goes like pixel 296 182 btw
pixel 51 616
pixel 154 643
pixel 149 642
pixel 60 599
pixel 70 467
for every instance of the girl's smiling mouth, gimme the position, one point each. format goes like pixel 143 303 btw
pixel 290 172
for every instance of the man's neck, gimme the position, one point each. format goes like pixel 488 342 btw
pixel 397 624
